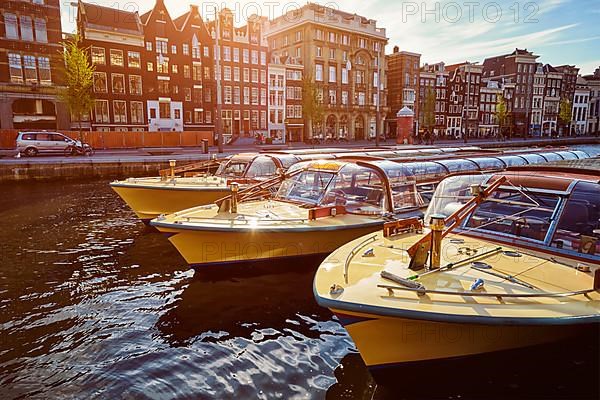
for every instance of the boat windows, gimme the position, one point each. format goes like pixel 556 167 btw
pixel 306 187
pixel 402 185
pixel 551 156
pixel 459 165
pixel 523 214
pixel 232 169
pixel 488 163
pixel 359 189
pixel 512 161
pixel 580 154
pixel 426 170
pixel 261 167
pixel 452 193
pixel 567 155
pixel 533 158
pixel 579 224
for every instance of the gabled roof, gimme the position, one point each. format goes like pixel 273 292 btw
pixel 106 18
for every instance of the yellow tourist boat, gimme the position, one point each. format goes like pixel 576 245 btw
pixel 409 294
pixel 318 207
pixel 152 196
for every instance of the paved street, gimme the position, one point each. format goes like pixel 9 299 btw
pixel 7 157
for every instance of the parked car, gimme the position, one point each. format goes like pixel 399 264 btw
pixel 34 143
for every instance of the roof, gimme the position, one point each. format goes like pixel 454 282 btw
pixel 100 17
pixel 552 177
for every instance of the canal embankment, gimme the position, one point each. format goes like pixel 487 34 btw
pixel 109 164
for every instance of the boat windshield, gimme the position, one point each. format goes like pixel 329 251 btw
pixel 358 188
pixel 306 187
pixel 452 193
pixel 233 168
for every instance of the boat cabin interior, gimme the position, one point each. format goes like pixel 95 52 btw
pixel 554 210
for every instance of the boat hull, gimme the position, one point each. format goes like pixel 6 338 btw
pixel 149 202
pixel 386 342
pixel 206 247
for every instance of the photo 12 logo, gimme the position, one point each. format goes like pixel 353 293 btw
pixel 471 11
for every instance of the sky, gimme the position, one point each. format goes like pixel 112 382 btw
pixel 559 31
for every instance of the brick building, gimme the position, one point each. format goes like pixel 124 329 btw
pixel 243 75
pixel 463 90
pixel 403 79
pixel 593 81
pixel 581 100
pixel 552 96
pixel 488 100
pixel 439 74
pixel 285 99
pixel 30 64
pixel 342 54
pixel 115 40
pixel 518 67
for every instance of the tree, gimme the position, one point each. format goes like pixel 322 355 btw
pixel 312 103
pixel 78 93
pixel 502 114
pixel 565 113
pixel 428 111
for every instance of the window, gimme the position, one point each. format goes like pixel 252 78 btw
pixel 197 72
pixel 263 58
pixel 118 83
pixel 101 111
pixel 163 87
pixel 120 111
pixel 152 113
pixel 135 85
pixel 208 118
pixel 26 28
pixel 254 99
pixel 236 95
pixel 44 70
pixel 344 76
pixel 236 54
pixel 319 72
pixel 98 56
pixel 162 64
pixel 186 49
pixel 332 54
pixel 246 75
pixel 226 53
pixel 263 97
pixel 186 72
pixel 150 66
pixel 319 51
pixel 227 73
pixel 188 94
pixel 254 120
pixel 332 74
pixel 162 46
pixel 513 213
pixel 41 34
pixel 10 26
pixel 173 49
pixel 30 69
pixel 298 36
pixel 254 57
pixel 164 110
pixel 195 52
pixel 246 56
pixel 344 98
pixel 100 85
pixel 133 59
pixel 236 74
pixel 263 77
pixel 227 95
pixel 174 69
pixel 254 76
pixel 149 46
pixel 116 57
pixel 137 112
pixel 16 70
pixel 246 95
pixel 332 96
pixel 206 51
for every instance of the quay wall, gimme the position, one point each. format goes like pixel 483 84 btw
pixel 115 166
pixel 123 140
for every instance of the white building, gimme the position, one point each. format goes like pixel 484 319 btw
pixel 580 107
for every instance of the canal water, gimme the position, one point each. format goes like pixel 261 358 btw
pixel 93 304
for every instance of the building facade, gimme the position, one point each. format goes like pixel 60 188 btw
pixel 488 100
pixel 243 76
pixel 403 81
pixel 581 99
pixel 463 88
pixel 344 58
pixel 593 81
pixel 518 67
pixel 286 123
pixel 30 65
pixel 552 97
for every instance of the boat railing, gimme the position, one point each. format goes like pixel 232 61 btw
pixel 423 291
pixel 354 252
pixel 240 220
